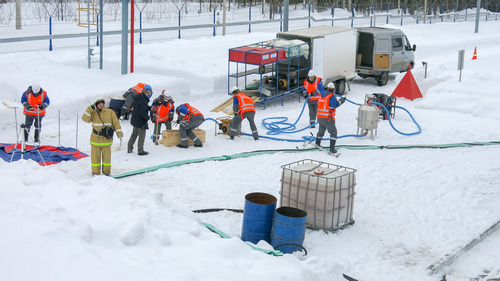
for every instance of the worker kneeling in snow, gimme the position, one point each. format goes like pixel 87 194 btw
pixel 243 108
pixel 188 119
pixel 104 122
pixel 327 106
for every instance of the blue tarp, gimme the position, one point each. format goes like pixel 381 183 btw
pixel 44 155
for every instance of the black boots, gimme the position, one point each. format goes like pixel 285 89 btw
pixel 332 146
pixel 37 135
pixel 318 141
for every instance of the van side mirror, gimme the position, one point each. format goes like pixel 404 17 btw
pixel 414 47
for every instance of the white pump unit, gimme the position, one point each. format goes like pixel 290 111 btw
pixel 368 114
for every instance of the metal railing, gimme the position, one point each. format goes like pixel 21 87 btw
pixel 373 19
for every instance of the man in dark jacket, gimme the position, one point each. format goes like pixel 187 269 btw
pixel 130 95
pixel 139 120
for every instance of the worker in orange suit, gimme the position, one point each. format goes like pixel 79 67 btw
pixel 313 87
pixel 162 112
pixel 243 108
pixel 35 101
pixel 327 108
pixel 188 119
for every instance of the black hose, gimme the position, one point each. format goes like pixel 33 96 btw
pixel 217 210
pixel 291 244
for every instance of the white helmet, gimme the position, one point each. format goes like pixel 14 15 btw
pixel 330 86
pixel 311 73
pixel 166 95
pixel 235 89
pixel 35 88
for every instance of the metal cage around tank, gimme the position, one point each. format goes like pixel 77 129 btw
pixel 325 191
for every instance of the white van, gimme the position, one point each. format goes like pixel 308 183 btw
pixel 382 51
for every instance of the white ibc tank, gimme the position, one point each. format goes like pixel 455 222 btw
pixel 325 191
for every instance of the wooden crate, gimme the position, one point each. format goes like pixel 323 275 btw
pixel 172 137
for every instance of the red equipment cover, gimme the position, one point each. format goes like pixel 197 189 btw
pixel 258 56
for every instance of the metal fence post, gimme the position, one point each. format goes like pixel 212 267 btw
pixel 454 12
pixel 402 9
pixel 50 33
pixel 387 18
pixel 281 19
pixel 371 18
pixel 179 36
pixel 214 24
pixel 97 30
pixel 76 139
pixel 333 13
pixel 352 19
pixel 309 17
pixel 249 19
pixel 442 12
pixel 140 27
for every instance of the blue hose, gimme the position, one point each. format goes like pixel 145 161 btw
pixel 280 126
pixel 211 119
pixel 390 122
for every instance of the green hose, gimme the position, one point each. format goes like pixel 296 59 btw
pixel 260 152
pixel 214 229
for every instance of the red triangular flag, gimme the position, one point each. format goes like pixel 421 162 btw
pixel 407 88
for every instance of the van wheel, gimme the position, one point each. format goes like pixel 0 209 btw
pixel 383 78
pixel 340 87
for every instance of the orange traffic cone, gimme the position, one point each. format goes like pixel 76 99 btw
pixel 474 57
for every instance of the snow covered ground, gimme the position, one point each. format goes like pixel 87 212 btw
pixel 412 206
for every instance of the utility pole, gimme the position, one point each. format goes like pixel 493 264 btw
pixel 18 14
pixel 124 35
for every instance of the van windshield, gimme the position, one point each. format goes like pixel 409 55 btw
pixel 407 45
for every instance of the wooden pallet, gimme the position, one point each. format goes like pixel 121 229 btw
pixel 224 107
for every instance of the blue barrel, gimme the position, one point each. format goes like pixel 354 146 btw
pixel 289 229
pixel 258 217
